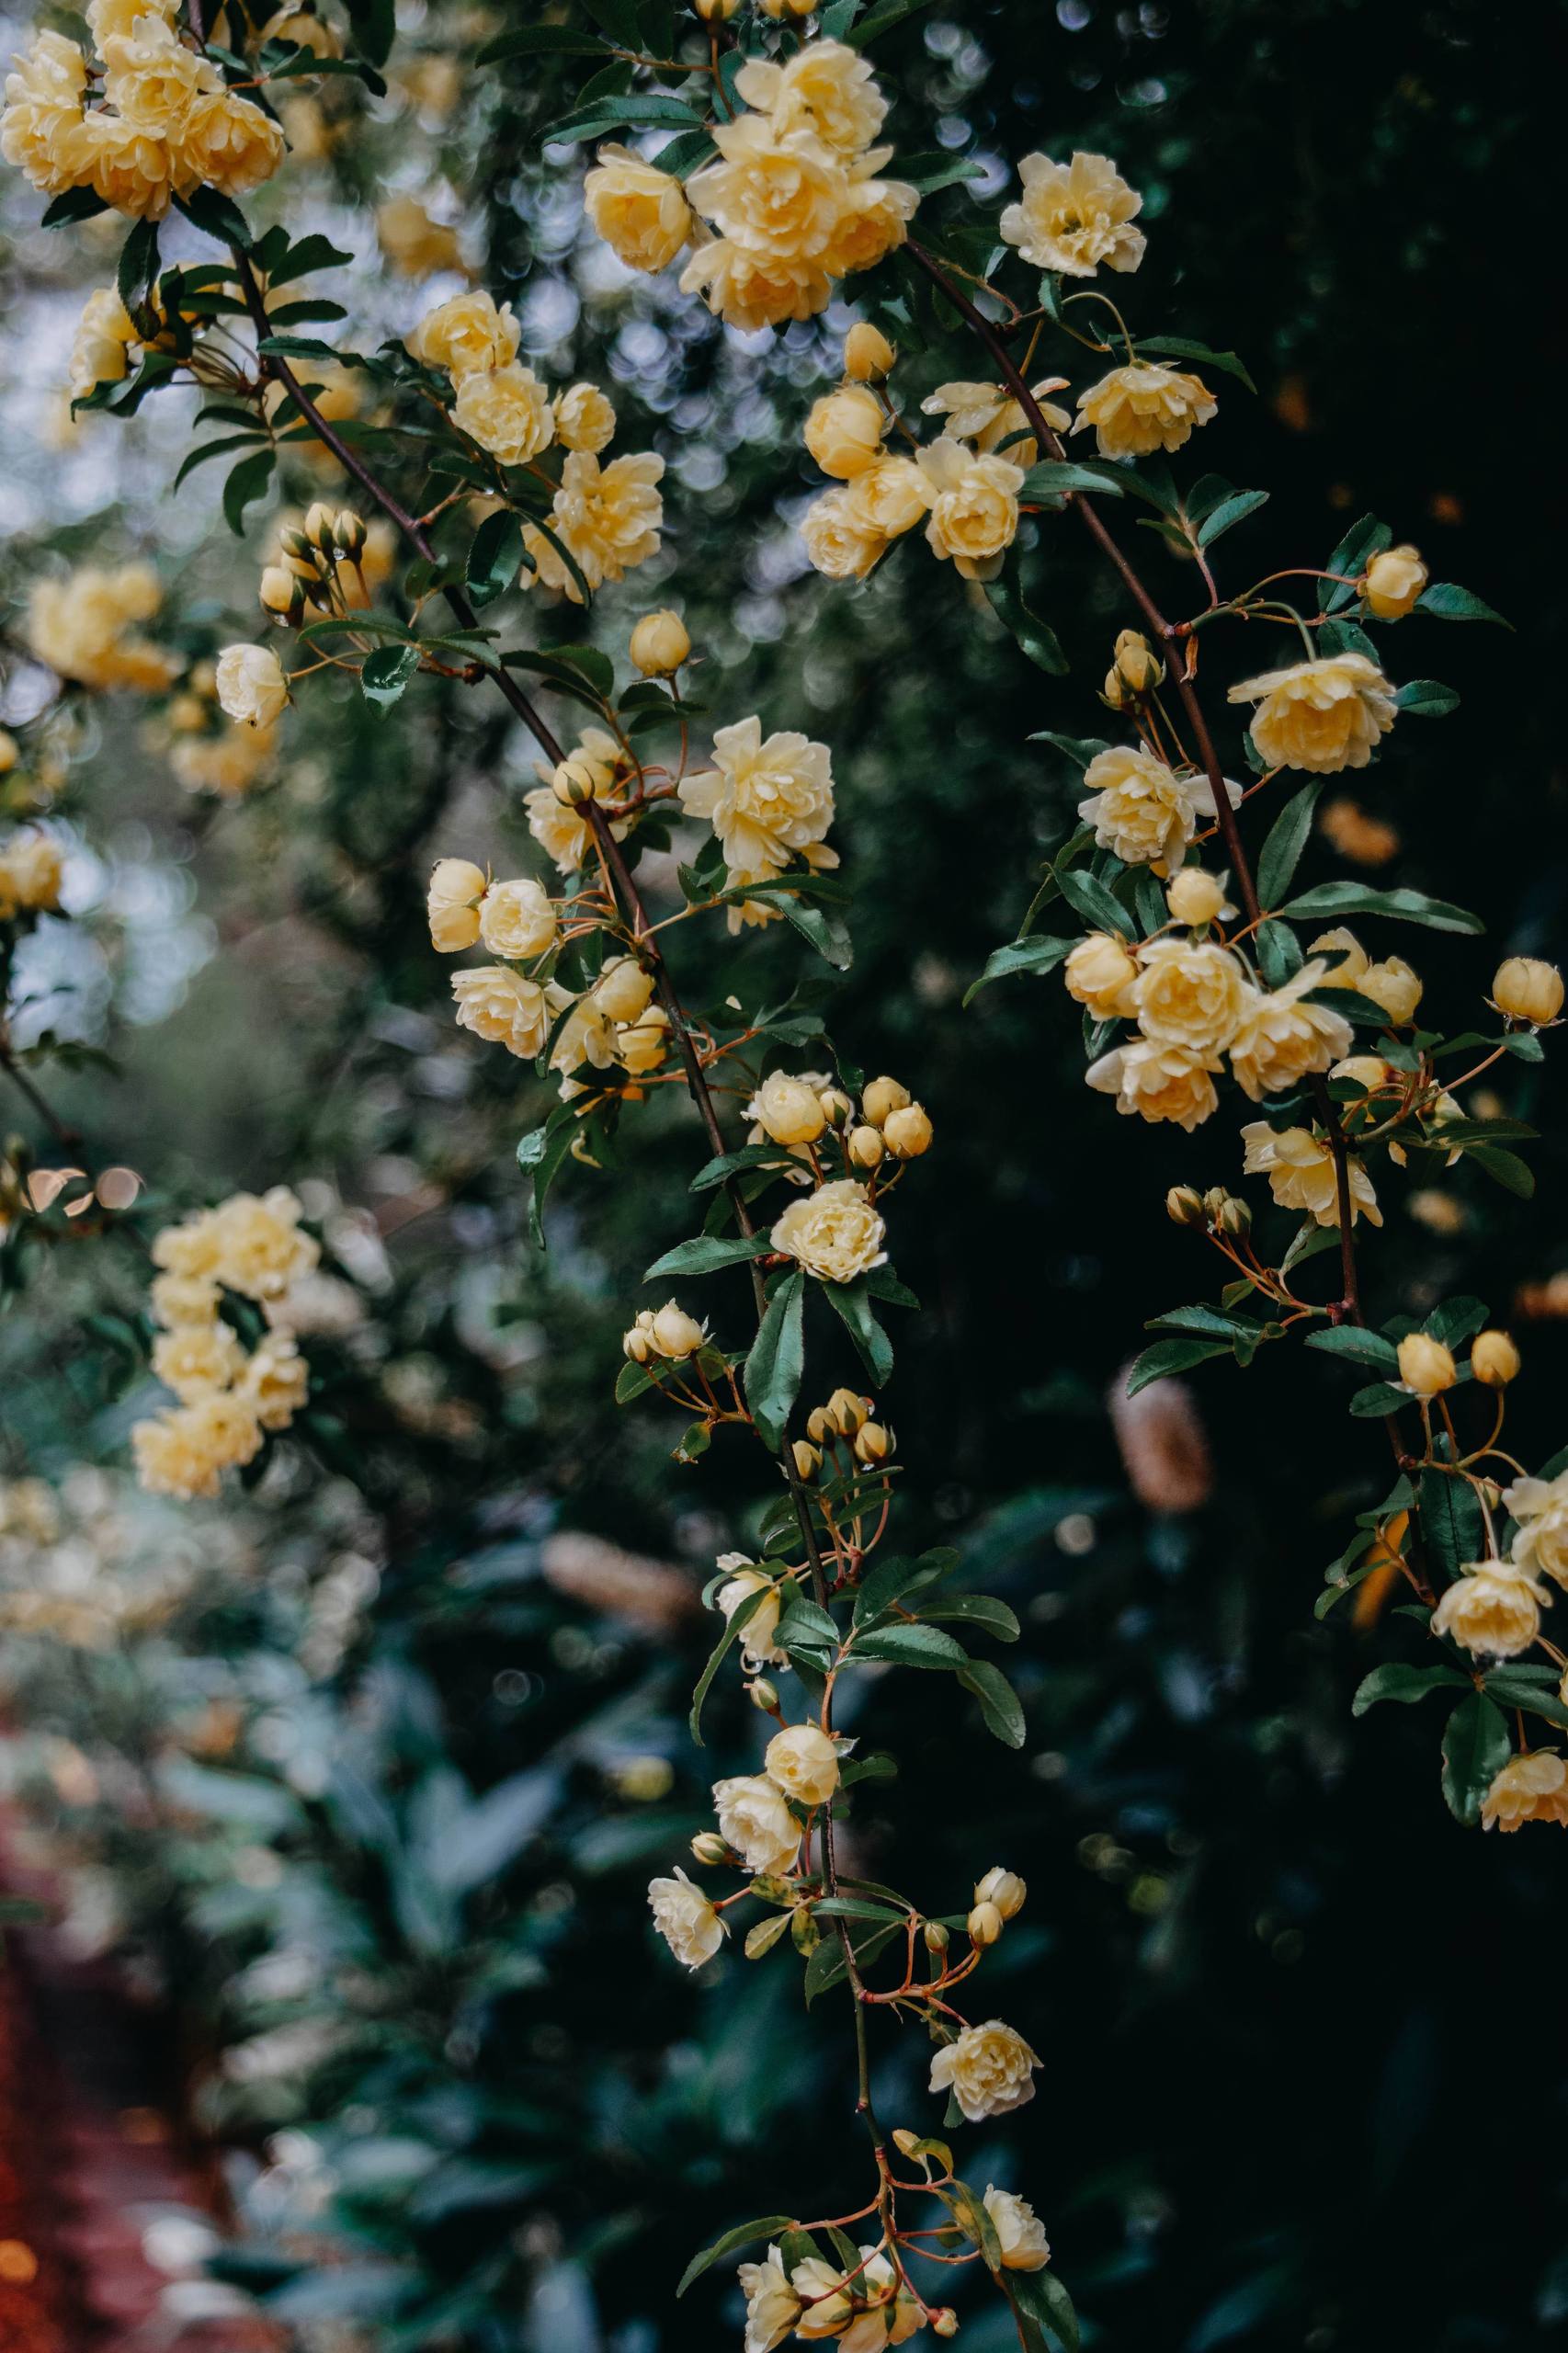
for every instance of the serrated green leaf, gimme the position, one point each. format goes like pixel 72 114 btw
pixel 776 1361
pixel 1476 1747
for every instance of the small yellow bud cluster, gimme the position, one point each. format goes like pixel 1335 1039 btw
pixel 666 1333
pixel 998 1898
pixel 1136 672
pixel 320 566
pixel 1215 1211
pixel 892 1123
pixel 844 1422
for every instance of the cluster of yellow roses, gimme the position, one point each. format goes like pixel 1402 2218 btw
pixel 228 1396
pixel 609 517
pixel 84 626
pixel 168 122
pixel 794 201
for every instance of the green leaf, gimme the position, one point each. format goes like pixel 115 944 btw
pixel 1378 1399
pixel 1451 1519
pixel 892 1579
pixel 1519 1690
pixel 1181 347
pixel 733 1163
pixel 1230 511
pixel 900 1645
pixel 1000 1706
pixel 766 2226
pixel 1039 953
pixel 75 204
pixel 827 1966
pixel 705 1253
pixel 1476 1747
pixel 1458 1319
pixel 981 1609
pixel 609 112
pixel 856 1907
pixel 543 1149
pixel 851 1302
pixel 1427 699
pixel 1361 1346
pixel 221 448
pixel 1056 477
pixel 384 674
pixel 1448 602
pixel 878 1767
pixel 1167 1357
pixel 495 557
pixel 1361 542
pixel 1034 637
pixel 738 1618
pixel 776 1361
pixel 216 216
pixel 246 482
pixel 1042 2296
pixel 1089 898
pixel 929 172
pixel 882 20
pixel 1405 1683
pixel 1287 839
pixel 1279 956
pixel 136 275
pixel 807 1632
pixel 1335 899
pixel 764 1935
pixel 1504 1169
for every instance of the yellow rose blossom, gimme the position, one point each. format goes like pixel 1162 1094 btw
pixel 585 419
pixel 195 1357
pixel 31 869
pixel 804 1762
pixel 771 196
pixel 974 506
pixel 1156 1082
pixel 100 353
pixel 834 1233
pixel 1541 1538
pixel 465 335
pixel 1299 1168
pixel 886 500
pixel 874 219
pixel 660 644
pixel 841 540
pixel 1019 2231
pixel 755 1819
pixel 1073 216
pixel 1101 974
pixel 772 2306
pixel 685 1920
pixel 412 241
pixel 1280 1037
pixel 750 290
pixel 41 128
pixel 82 626
pixel 1491 1609
pixel 252 688
pixel 182 1454
pixel 276 1382
pixel 988 416
pixel 451 904
pixel 607 516
pixel 1143 407
pixel 1392 583
pixel 769 799
pixel 1531 1787
pixel 259 1248
pixel 1189 995
pixel 989 2070
pixel 826 90
pixel 844 431
pixel 1322 715
pixel 501 1006
pixel 640 212
pixel 229 143
pixel 506 410
pixel 1143 810
pixel 516 919
pixel 788 1110
pixel 1526 989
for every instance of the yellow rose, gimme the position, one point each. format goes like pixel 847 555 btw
pixel 506 410
pixel 516 919
pixel 412 241
pixel 1322 715
pixel 974 506
pixel 767 799
pixel 1280 1037
pixel 1143 810
pixel 609 516
pixel 659 644
pixel 1299 1168
pixel 987 415
pixel 758 1648
pixel 1020 2233
pixel 1189 995
pixel 868 354
pixel 772 2306
pixel 826 91
pixel 642 1045
pixel 195 1357
pixel 131 170
pixel 1493 1609
pixel 1101 974
pixel 466 334
pixel 585 419
pixel 229 143
pixel 1393 985
pixel 839 540
pixel 844 431
pixel 1426 1366
pixel 260 1250
pixel 1526 989
pixel 1392 583
pixel 1531 1787
pixel 31 869
pixel 152 79
pixel 640 212
pixel 1156 1082
pixel 499 1004
pixel 804 1763
pixel 772 196
pixel 622 989
pixel 755 1819
pixel 873 220
pixel 988 2069
pixel 1143 407
pixel 1493 1359
pixel 1073 216
pixel 275 1383
pixel 98 355
pixel 1196 898
pixel 886 500
pixel 834 1233
pixel 252 689
pixel 749 289
pixel 685 1920
pixel 1540 1541
pixel 787 1110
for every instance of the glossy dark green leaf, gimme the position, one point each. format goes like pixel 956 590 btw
pixel 1476 1747
pixel 776 1361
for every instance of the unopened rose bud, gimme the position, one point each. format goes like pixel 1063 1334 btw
pixel 818 1427
pixel 808 1460
pixel 804 1933
pixel 985 1925
pixel 572 783
pixel 676 1334
pixel 1393 985
pixel 1003 1888
pixel 836 1106
pixel 868 354
pixel 349 532
pixel 638 1344
pixel 294 542
pixel 1183 1206
pixel 1136 670
pixel 907 1132
pixel 1426 1366
pixel 1526 989
pixel 279 591
pixel 872 1443
pixel 846 1411
pixel 660 645
pixel 935 1937
pixel 1194 897
pixel 1494 1359
pixel 865 1147
pixel 883 1096
pixel 763 1694
pixel 944 2321
pixel 1234 1219
pixel 319 526
pixel 710 1849
pixel 1214 1200
pixel 1392 581
pixel 715 12
pixel 1489 1493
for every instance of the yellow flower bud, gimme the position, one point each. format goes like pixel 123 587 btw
pixel 1526 989
pixel 1394 986
pixel 883 1096
pixel 808 1460
pixel 280 592
pixel 710 1849
pixel 1426 1366
pixel 868 354
pixel 1183 1206
pixel 935 1937
pixel 1136 670
pixel 715 12
pixel 846 1411
pixel 836 1106
pixel 907 1132
pixel 818 1426
pixel 872 1443
pixel 660 645
pixel 1234 1219
pixel 572 783
pixel 319 526
pixel 638 1344
pixel 349 532
pixel 985 1925
pixel 844 431
pixel 763 1694
pixel 865 1147
pixel 1003 1888
pixel 1392 581
pixel 944 2321
pixel 1494 1359
pixel 676 1334
pixel 1194 897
